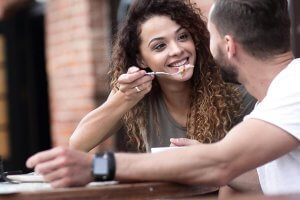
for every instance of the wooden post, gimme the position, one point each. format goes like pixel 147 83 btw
pixel 4 139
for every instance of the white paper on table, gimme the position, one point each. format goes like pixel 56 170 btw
pixel 27 178
pixel 9 188
pixel 33 182
pixel 161 149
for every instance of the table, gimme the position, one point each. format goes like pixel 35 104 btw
pixel 262 197
pixel 120 191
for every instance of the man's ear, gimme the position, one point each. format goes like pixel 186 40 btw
pixel 230 46
pixel 141 62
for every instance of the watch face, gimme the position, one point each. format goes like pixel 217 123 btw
pixel 100 166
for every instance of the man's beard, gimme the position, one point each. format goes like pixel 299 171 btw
pixel 228 71
pixel 229 75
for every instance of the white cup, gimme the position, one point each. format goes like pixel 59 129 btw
pixel 160 149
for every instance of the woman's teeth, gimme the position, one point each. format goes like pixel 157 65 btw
pixel 179 63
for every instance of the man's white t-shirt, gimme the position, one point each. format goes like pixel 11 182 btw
pixel 281 107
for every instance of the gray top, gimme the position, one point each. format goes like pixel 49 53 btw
pixel 169 128
pixel 248 104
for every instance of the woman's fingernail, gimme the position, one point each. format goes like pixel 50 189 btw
pixel 135 69
pixel 143 72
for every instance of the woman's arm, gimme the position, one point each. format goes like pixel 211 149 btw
pixel 102 122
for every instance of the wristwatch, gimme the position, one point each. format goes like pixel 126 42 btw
pixel 104 166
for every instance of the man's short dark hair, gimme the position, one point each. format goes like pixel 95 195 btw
pixel 261 26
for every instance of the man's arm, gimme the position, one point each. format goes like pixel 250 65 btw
pixel 245 183
pixel 247 146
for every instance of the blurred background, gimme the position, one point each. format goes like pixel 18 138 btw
pixel 54 57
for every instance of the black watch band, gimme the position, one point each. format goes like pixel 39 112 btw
pixel 104 166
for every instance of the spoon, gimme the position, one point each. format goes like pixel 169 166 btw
pixel 162 73
pixel 180 71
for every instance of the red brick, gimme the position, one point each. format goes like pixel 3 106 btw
pixel 78 46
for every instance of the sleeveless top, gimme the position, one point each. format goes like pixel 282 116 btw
pixel 169 128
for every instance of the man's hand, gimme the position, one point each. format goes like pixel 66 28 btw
pixel 63 167
pixel 179 142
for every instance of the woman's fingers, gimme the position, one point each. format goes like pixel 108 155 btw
pixel 172 145
pixel 139 89
pixel 131 77
pixel 183 142
pixel 135 82
pixel 133 69
pixel 140 83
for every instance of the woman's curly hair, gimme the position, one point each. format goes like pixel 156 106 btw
pixel 214 104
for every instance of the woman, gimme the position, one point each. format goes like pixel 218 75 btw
pixel 162 36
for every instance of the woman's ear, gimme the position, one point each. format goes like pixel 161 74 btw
pixel 141 62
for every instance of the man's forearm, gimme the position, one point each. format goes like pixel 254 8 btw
pixel 247 182
pixel 210 164
pixel 181 165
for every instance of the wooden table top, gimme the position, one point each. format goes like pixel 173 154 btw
pixel 119 191
pixel 264 197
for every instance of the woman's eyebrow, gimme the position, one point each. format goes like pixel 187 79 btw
pixel 161 38
pixel 179 29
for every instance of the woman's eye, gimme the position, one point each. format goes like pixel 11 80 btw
pixel 159 47
pixel 183 36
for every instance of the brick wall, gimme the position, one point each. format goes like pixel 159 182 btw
pixel 77 41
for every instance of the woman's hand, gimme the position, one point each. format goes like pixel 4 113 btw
pixel 135 84
pixel 179 142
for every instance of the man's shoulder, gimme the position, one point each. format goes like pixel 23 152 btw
pixel 292 69
pixel 287 80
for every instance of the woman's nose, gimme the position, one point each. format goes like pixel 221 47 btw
pixel 175 49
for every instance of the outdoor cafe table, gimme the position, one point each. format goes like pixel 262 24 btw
pixel 148 190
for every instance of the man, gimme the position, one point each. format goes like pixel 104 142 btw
pixel 250 41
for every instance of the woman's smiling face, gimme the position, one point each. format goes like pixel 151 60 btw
pixel 165 46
